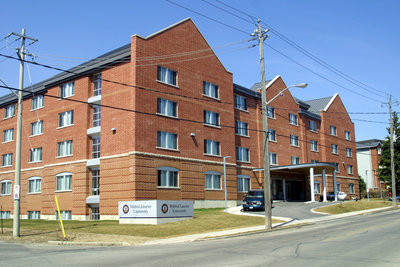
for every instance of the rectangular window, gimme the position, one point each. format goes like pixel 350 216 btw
pixel 96 115
pixel 95 147
pixel 210 90
pixel 334 149
pixel 95 213
pixel 338 187
pixel 270 112
pixel 271 135
pixel 97 84
pixel 211 147
pixel 36 128
pixel 317 187
pixel 66 215
pixel 314 145
pixel 349 169
pixel 95 182
pixel 240 102
pixel 313 126
pixel 34 215
pixel 292 119
pixel 166 75
pixel 67 90
pixel 351 188
pixel 273 158
pixel 211 118
pixel 6 187
pixel 295 160
pixel 167 107
pixel 64 148
pixel 167 178
pixel 37 102
pixel 213 181
pixel 347 135
pixel 348 152
pixel 294 140
pixel 243 184
pixel 65 118
pixel 333 130
pixel 34 185
pixel 241 128
pixel 64 182
pixel 35 154
pixel 9 111
pixel 6 160
pixel 242 154
pixel 314 161
pixel 8 135
pixel 336 167
pixel 5 214
pixel 167 140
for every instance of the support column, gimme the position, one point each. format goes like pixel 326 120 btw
pixel 324 184
pixel 334 185
pixel 284 189
pixel 312 184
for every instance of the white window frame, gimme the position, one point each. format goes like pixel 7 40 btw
pixel 294 140
pixel 5 187
pixel 241 128
pixel 272 135
pixel 210 90
pixel 270 112
pixel 314 145
pixel 37 102
pixel 167 140
pixel 96 119
pixel 35 155
pixel 170 179
pixel 295 160
pixel 242 154
pixel 5 214
pixel 212 147
pixel 338 187
pixel 293 119
pixel 9 111
pixel 351 189
pixel 335 149
pixel 241 102
pixel 33 215
pixel 167 108
pixel 95 186
pixel 211 118
pixel 65 119
pixel 243 182
pixel 313 126
pixel 36 128
pixel 350 169
pixel 35 185
pixel 97 84
pixel 65 148
pixel 64 182
pixel 347 135
pixel 67 90
pixel 96 147
pixel 212 180
pixel 6 159
pixel 348 152
pixel 8 135
pixel 337 167
pixel 333 130
pixel 317 187
pixel 66 215
pixel 167 76
pixel 273 158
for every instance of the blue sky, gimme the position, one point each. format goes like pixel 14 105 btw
pixel 357 37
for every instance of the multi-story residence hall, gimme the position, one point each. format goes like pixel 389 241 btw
pixel 154 120
pixel 369 153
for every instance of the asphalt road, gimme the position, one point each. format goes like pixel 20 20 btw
pixel 369 240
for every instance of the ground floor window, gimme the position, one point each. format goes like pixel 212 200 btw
pixel 33 215
pixel 337 187
pixel 243 183
pixel 6 187
pixel 65 215
pixel 213 180
pixel 167 177
pixel 351 188
pixel 5 215
pixel 95 214
pixel 317 187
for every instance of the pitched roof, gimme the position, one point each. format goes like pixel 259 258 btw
pixel 369 143
pixel 316 105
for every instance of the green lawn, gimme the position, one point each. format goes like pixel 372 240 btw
pixel 354 206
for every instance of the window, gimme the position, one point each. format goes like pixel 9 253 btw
pixel 64 148
pixel 34 185
pixel 292 119
pixel 6 160
pixel 97 84
pixel 336 167
pixel 243 182
pixel 95 182
pixel 337 187
pixel 66 215
pixel 271 135
pixel 334 149
pixel 294 140
pixel 333 130
pixel 166 75
pixel 242 154
pixel 167 177
pixel 317 187
pixel 33 215
pixel 37 102
pixel 295 160
pixel 351 188
pixel 210 90
pixel 241 128
pixel 270 112
pixel 9 111
pixel 347 135
pixel 314 145
pixel 167 107
pixel 65 118
pixel 314 161
pixel 211 118
pixel 213 180
pixel 313 126
pixel 35 154
pixel 167 140
pixel 379 150
pixel 349 169
pixel 5 214
pixel 36 128
pixel 240 102
pixel 96 115
pixel 6 187
pixel 348 152
pixel 95 213
pixel 95 147
pixel 64 181
pixel 272 158
pixel 8 135
pixel 211 147
pixel 67 90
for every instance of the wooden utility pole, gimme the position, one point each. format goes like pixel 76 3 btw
pixel 394 200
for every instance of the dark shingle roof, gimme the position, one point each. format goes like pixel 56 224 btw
pixel 369 143
pixel 316 105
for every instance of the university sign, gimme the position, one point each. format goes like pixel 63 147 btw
pixel 154 211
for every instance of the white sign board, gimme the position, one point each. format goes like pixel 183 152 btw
pixel 16 192
pixel 154 211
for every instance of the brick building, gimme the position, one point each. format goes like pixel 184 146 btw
pixel 153 120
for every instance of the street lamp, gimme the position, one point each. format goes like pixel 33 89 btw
pixel 226 204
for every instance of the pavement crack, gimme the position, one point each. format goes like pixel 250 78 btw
pixel 296 252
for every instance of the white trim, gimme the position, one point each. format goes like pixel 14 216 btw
pixel 272 81
pixel 330 102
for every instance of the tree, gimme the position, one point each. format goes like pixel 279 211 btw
pixel 385 170
pixel 363 185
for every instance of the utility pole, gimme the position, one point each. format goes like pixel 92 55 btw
pixel 17 182
pixel 394 200
pixel 267 179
